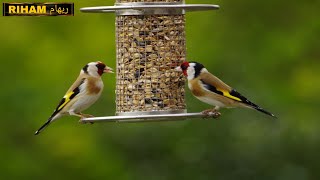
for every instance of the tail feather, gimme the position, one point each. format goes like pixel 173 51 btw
pixel 43 126
pixel 258 108
pixel 264 111
pixel 250 104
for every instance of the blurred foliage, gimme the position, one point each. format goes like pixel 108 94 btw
pixel 267 50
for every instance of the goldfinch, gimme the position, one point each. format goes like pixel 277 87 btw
pixel 211 90
pixel 85 91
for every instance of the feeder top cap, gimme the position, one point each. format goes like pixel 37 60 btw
pixel 143 8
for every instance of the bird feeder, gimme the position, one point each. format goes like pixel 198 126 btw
pixel 150 43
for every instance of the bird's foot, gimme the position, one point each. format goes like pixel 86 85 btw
pixel 211 113
pixel 85 116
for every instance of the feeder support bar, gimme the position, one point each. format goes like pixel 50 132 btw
pixel 148 118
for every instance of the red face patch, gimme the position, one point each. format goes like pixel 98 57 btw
pixel 184 66
pixel 100 67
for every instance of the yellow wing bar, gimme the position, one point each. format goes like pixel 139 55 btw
pixel 66 100
pixel 227 94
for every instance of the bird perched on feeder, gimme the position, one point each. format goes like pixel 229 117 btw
pixel 85 91
pixel 211 90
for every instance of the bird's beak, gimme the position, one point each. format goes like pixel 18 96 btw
pixel 108 70
pixel 178 69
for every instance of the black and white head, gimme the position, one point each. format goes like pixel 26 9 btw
pixel 191 69
pixel 96 69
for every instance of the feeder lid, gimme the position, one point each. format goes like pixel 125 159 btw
pixel 149 8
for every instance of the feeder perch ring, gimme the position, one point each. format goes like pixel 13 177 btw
pixel 147 118
pixel 149 8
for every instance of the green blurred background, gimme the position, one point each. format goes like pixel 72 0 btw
pixel 267 50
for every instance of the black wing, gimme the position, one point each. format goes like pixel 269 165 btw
pixel 235 96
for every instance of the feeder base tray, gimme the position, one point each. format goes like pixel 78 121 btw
pixel 147 118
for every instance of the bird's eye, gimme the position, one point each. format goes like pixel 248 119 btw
pixel 101 66
pixel 184 67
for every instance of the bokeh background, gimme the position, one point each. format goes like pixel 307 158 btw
pixel 267 50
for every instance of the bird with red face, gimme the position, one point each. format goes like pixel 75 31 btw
pixel 209 89
pixel 85 91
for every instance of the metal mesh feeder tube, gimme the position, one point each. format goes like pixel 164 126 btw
pixel 147 48
pixel 150 43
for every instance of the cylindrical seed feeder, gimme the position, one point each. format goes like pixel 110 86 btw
pixel 148 47
pixel 150 40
